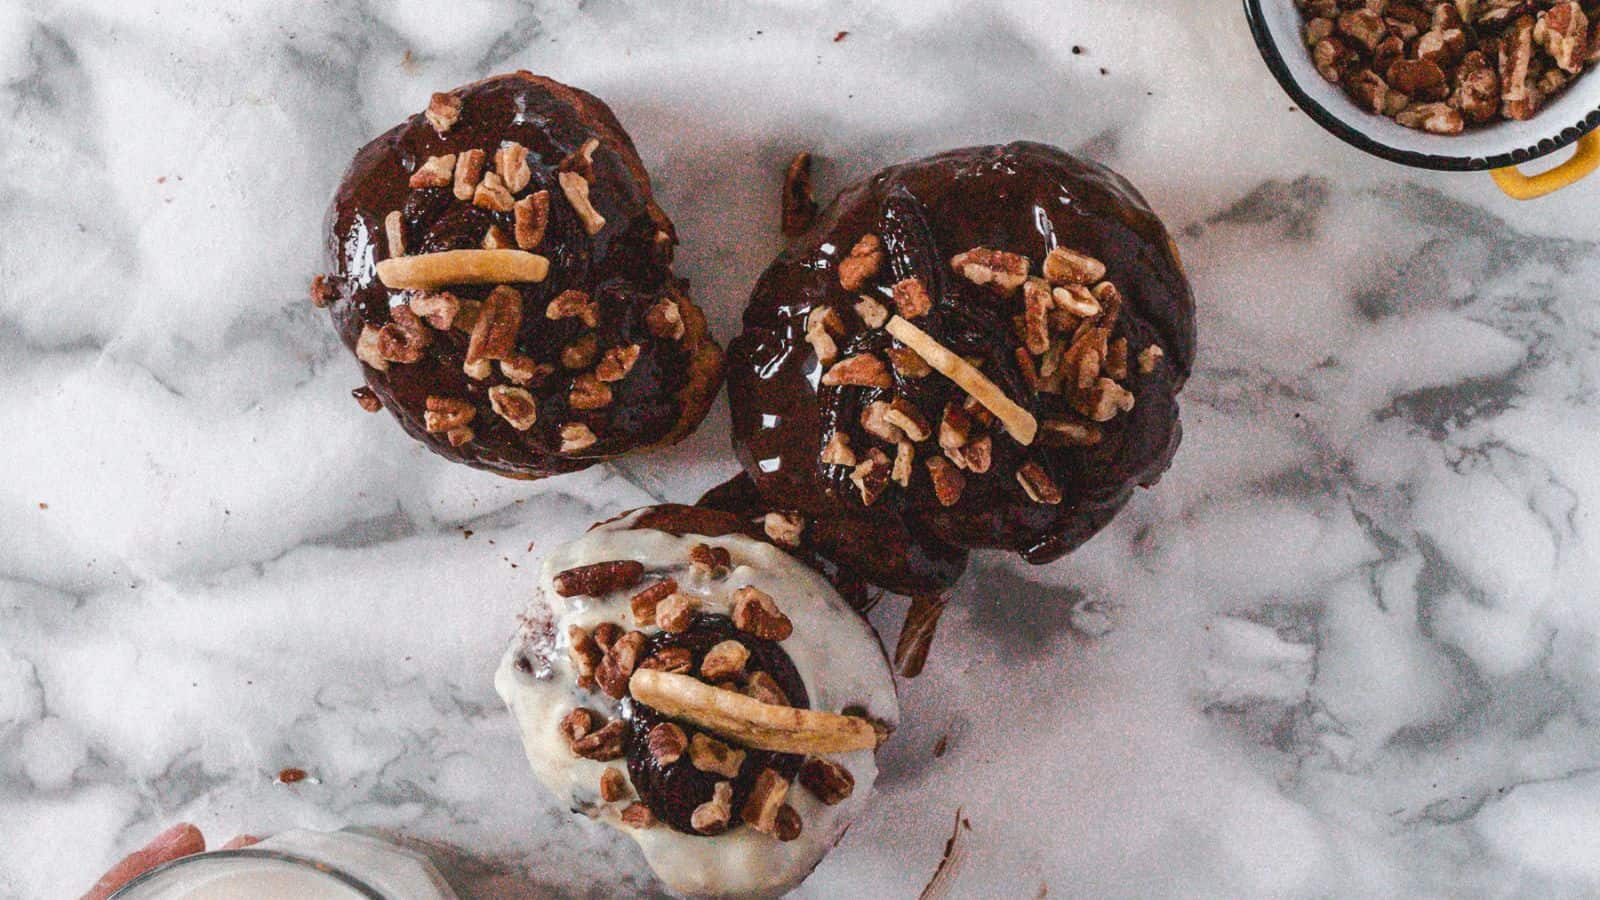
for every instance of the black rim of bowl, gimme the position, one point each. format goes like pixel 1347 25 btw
pixel 1341 129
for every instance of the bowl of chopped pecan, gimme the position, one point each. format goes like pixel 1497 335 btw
pixel 1452 85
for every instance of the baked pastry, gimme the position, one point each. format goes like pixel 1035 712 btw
pixel 502 271
pixel 704 692
pixel 981 349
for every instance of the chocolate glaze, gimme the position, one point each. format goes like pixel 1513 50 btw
pixel 1025 198
pixel 623 267
pixel 673 791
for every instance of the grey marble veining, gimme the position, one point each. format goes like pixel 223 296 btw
pixel 1349 647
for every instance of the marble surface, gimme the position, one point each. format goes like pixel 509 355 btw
pixel 1349 647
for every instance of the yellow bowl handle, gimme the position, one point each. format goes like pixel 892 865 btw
pixel 1530 187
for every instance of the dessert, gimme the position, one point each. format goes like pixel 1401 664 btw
pixel 1442 67
pixel 704 692
pixel 503 273
pixel 981 349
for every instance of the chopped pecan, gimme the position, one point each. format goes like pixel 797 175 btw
pixel 1419 79
pixel 903 414
pixel 576 724
pixel 494 334
pixel 822 326
pixel 875 421
pixel 581 161
pixel 981 265
pixel 581 352
pixel 603 745
pixel 1434 118
pixel 1442 46
pixel 1563 31
pixel 1117 359
pixel 530 216
pixel 905 453
pixel 367 399
pixel 708 754
pixel 1038 484
pixel 620 660
pixel 1063 265
pixel 670 659
pixel 577 190
pixel 367 349
pixel 469 171
pixel 491 193
pixel 788 826
pixel 613 785
pixel 1149 357
pixel 323 291
pixel 837 451
pixel 675 612
pixel 459 436
pixel 467 316
pixel 523 370
pixel 975 456
pixel 711 817
pixel 405 337
pixel 1318 29
pixel 617 363
pixel 606 634
pixel 1036 305
pixel 1364 27
pixel 948 482
pixel 830 782
pixel 955 426
pixel 665 320
pixel 799 206
pixel 637 815
pixel 515 405
pixel 871 476
pixel 911 298
pixel 437 309
pixel 908 362
pixel 755 612
pixel 784 528
pixel 667 742
pixel 861 370
pixel 598 579
pixel 725 660
pixel 709 561
pixel 865 258
pixel 1368 88
pixel 762 686
pixel 766 798
pixel 1103 401
pixel 576 436
pixel 437 171
pixel 573 303
pixel 1333 59
pixel 1517 98
pixel 443 111
pixel 873 313
pixel 643 604
pixel 1065 433
pixel 511 161
pixel 445 413
pixel 585 654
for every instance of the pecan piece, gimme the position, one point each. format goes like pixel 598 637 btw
pixel 948 482
pixel 491 193
pixel 724 661
pixel 709 561
pixel 665 320
pixel 494 334
pixel 367 399
pixel 617 363
pixel 675 612
pixel 711 817
pixel 908 362
pixel 515 405
pixel 766 798
pixel 367 349
pixel 1063 265
pixel 573 303
pixel 755 612
pixel 576 188
pixel 643 604
pixel 861 370
pixel 1038 484
pixel 670 659
pixel 1517 97
pixel 404 338
pixel 445 413
pixel 905 453
pixel 598 579
pixel 589 392
pixel 443 111
pixel 974 456
pixel 799 206
pixel 822 326
pixel 1363 26
pixel 576 725
pixel 788 826
pixel 323 291
pixel 829 781
pixel 437 171
pixel 580 353
pixel 603 745
pixel 581 161
pixel 874 420
pixel 469 171
pixel 1064 433
pixel 865 258
pixel 576 436
pixel 911 298
pixel 837 451
pixel 1563 31
pixel 618 664
pixel 585 654
pixel 873 313
pixel 613 785
pixel 784 528
pixel 1149 357
pixel 871 476
pixel 1419 79
pixel 511 161
pixel 1103 401
pixel 667 742
pixel 1036 305
pixel 762 686
pixel 437 309
pixel 1333 59
pixel 981 265
pixel 530 216
pixel 1434 118
pixel 708 754
pixel 394 233
pixel 523 370
pixel 637 815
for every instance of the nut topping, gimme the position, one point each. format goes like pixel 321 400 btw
pixel 580 353
pixel 572 303
pixel 603 745
pixel 709 561
pixel 711 817
pixel 907 363
pixel 585 655
pixel 598 579
pixel 621 658
pixel 431 271
pixel 576 725
pixel 581 160
pixel 788 826
pixel 875 421
pixel 948 482
pixel 511 161
pixel 618 362
pixel 829 781
pixel 367 399
pixel 577 190
pixel 1038 484
pixel 871 476
pixel 1103 401
pixel 530 216
pixel 981 265
pixel 670 659
pixel 911 298
pixel 974 456
pixel 523 370
pixel 822 325
pixel 494 334
pixel 443 111
pixel 643 604
pixel 491 193
pixel 665 320
pixel 1065 266
pixel 675 612
pixel 861 370
pixel 1036 305
pixel 589 392
pixel 784 528
pixel 613 785
pixel 437 171
pixel 404 338
pixel 469 171
pixel 905 454
pixel 667 742
pixel 1062 433
pixel 837 452
pixel 323 291
pixel 865 258
pixel 459 436
pixel 367 349
pixel 515 405
pixel 637 815
pixel 873 313
pixel 1149 357
pixel 576 436
pixel 766 798
pixel 708 754
pixel 755 612
pixel 437 309
pixel 445 413
pixel 724 661
pixel 764 688
pixel 496 239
